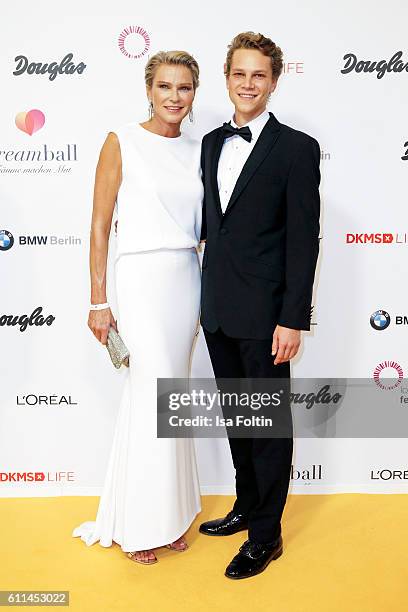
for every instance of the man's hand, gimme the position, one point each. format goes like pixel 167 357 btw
pixel 285 343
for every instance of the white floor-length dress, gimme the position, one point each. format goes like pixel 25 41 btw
pixel 151 491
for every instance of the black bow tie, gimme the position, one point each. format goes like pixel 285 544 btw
pixel 245 132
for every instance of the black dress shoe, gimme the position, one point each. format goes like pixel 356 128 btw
pixel 253 558
pixel 232 523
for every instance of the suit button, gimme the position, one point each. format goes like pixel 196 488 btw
pixel 223 230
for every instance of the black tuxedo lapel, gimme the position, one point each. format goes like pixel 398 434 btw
pixel 215 154
pixel 264 144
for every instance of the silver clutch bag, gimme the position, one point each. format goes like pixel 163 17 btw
pixel 117 350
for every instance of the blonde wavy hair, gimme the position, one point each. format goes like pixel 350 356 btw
pixel 250 40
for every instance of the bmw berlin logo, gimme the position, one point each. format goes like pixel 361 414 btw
pixel 6 240
pixel 379 320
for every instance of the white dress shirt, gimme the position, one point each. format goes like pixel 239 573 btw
pixel 234 153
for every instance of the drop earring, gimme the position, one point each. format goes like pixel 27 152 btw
pixel 191 115
pixel 150 110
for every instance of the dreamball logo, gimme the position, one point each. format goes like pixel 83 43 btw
pixel 35 158
pixel 134 42
pixel 31 121
pixel 307 475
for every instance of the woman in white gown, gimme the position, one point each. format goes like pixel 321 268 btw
pixel 152 171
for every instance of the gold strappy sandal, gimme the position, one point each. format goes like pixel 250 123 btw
pixel 148 562
pixel 177 549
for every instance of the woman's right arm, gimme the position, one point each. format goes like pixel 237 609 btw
pixel 107 182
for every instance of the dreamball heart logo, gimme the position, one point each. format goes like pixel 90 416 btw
pixel 30 122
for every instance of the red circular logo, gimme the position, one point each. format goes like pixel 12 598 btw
pixel 134 42
pixel 388 365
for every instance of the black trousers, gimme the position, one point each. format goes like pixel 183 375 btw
pixel 262 465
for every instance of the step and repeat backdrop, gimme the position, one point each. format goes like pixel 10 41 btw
pixel 68 79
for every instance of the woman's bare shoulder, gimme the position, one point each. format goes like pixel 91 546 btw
pixel 110 151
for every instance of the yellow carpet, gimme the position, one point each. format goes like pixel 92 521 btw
pixel 345 553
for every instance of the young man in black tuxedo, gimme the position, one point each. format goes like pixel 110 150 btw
pixel 261 227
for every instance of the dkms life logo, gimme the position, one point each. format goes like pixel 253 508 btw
pixel 388 375
pixel 134 42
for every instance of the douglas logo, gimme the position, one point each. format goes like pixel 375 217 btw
pixel 393 65
pixel 323 396
pixel 35 318
pixel 65 67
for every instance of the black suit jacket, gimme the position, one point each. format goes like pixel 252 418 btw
pixel 260 256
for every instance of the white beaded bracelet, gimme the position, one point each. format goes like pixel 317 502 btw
pixel 99 306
